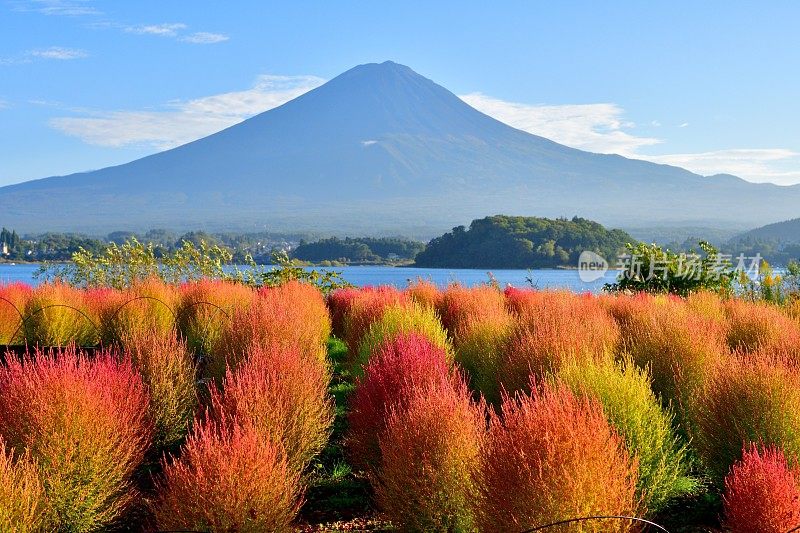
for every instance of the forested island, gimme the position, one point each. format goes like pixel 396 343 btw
pixel 521 242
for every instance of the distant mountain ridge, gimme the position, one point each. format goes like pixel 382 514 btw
pixel 381 149
pixel 787 232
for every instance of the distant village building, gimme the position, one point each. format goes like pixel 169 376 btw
pixel 3 249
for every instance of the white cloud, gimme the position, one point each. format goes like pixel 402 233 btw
pixel 72 8
pixel 169 29
pixel 601 128
pixel 59 53
pixel 184 121
pixel 204 37
pixel 4 104
pixel 655 124
pixel 773 165
pixel 54 52
pixel 593 127
pixel 174 30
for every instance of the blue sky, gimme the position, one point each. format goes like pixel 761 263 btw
pixel 712 86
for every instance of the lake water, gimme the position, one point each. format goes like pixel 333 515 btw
pixel 400 276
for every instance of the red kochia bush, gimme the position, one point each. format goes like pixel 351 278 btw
pixel 552 456
pixel 553 327
pixel 430 458
pixel 283 396
pixel 400 366
pixel 227 479
pixel 339 302
pixel 292 315
pixel 84 422
pixel 367 307
pixel 761 493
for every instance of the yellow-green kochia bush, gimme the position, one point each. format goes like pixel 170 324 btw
pixel 632 408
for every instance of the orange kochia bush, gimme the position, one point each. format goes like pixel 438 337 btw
pixel 13 298
pixel 149 306
pixel 551 455
pixel 22 498
pixel 284 396
pixel 84 422
pixel 747 399
pixel 206 307
pixel 553 326
pixel 424 293
pixel 228 478
pixel 678 344
pixel 460 307
pixel 430 459
pixel 293 315
pixel 480 324
pixel 762 327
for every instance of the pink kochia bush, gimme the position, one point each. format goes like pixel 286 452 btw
pixel 399 367
pixel 283 396
pixel 552 456
pixel 430 459
pixel 761 493
pixel 228 479
pixel 84 423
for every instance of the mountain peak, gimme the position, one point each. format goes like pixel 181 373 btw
pixel 379 148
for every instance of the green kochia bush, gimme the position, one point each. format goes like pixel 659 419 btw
pixel 632 408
